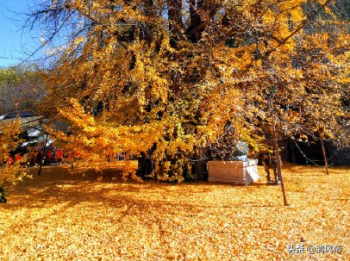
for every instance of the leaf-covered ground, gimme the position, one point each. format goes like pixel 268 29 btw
pixel 59 216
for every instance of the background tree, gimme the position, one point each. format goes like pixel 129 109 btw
pixel 20 88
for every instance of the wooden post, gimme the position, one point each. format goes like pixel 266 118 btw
pixel 42 159
pixel 324 156
pixel 279 169
pixel 74 151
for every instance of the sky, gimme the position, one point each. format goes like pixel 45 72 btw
pixel 15 44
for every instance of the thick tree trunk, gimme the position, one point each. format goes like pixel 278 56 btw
pixel 194 30
pixel 175 21
pixel 145 166
pixel 174 13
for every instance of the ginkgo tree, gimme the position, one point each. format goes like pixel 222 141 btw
pixel 161 77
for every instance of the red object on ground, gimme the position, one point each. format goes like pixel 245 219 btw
pixel 18 157
pixel 59 155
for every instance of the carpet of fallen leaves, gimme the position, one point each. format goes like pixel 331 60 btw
pixel 63 216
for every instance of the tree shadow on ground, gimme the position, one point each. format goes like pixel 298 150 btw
pixel 62 184
pixel 58 190
pixel 61 194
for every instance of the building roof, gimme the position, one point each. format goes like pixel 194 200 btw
pixel 25 123
pixel 21 114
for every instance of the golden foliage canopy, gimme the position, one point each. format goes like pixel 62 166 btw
pixel 174 73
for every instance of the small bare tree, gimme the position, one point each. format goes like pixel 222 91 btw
pixel 20 88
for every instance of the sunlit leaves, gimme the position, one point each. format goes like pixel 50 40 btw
pixel 61 216
pixel 142 76
pixel 10 170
